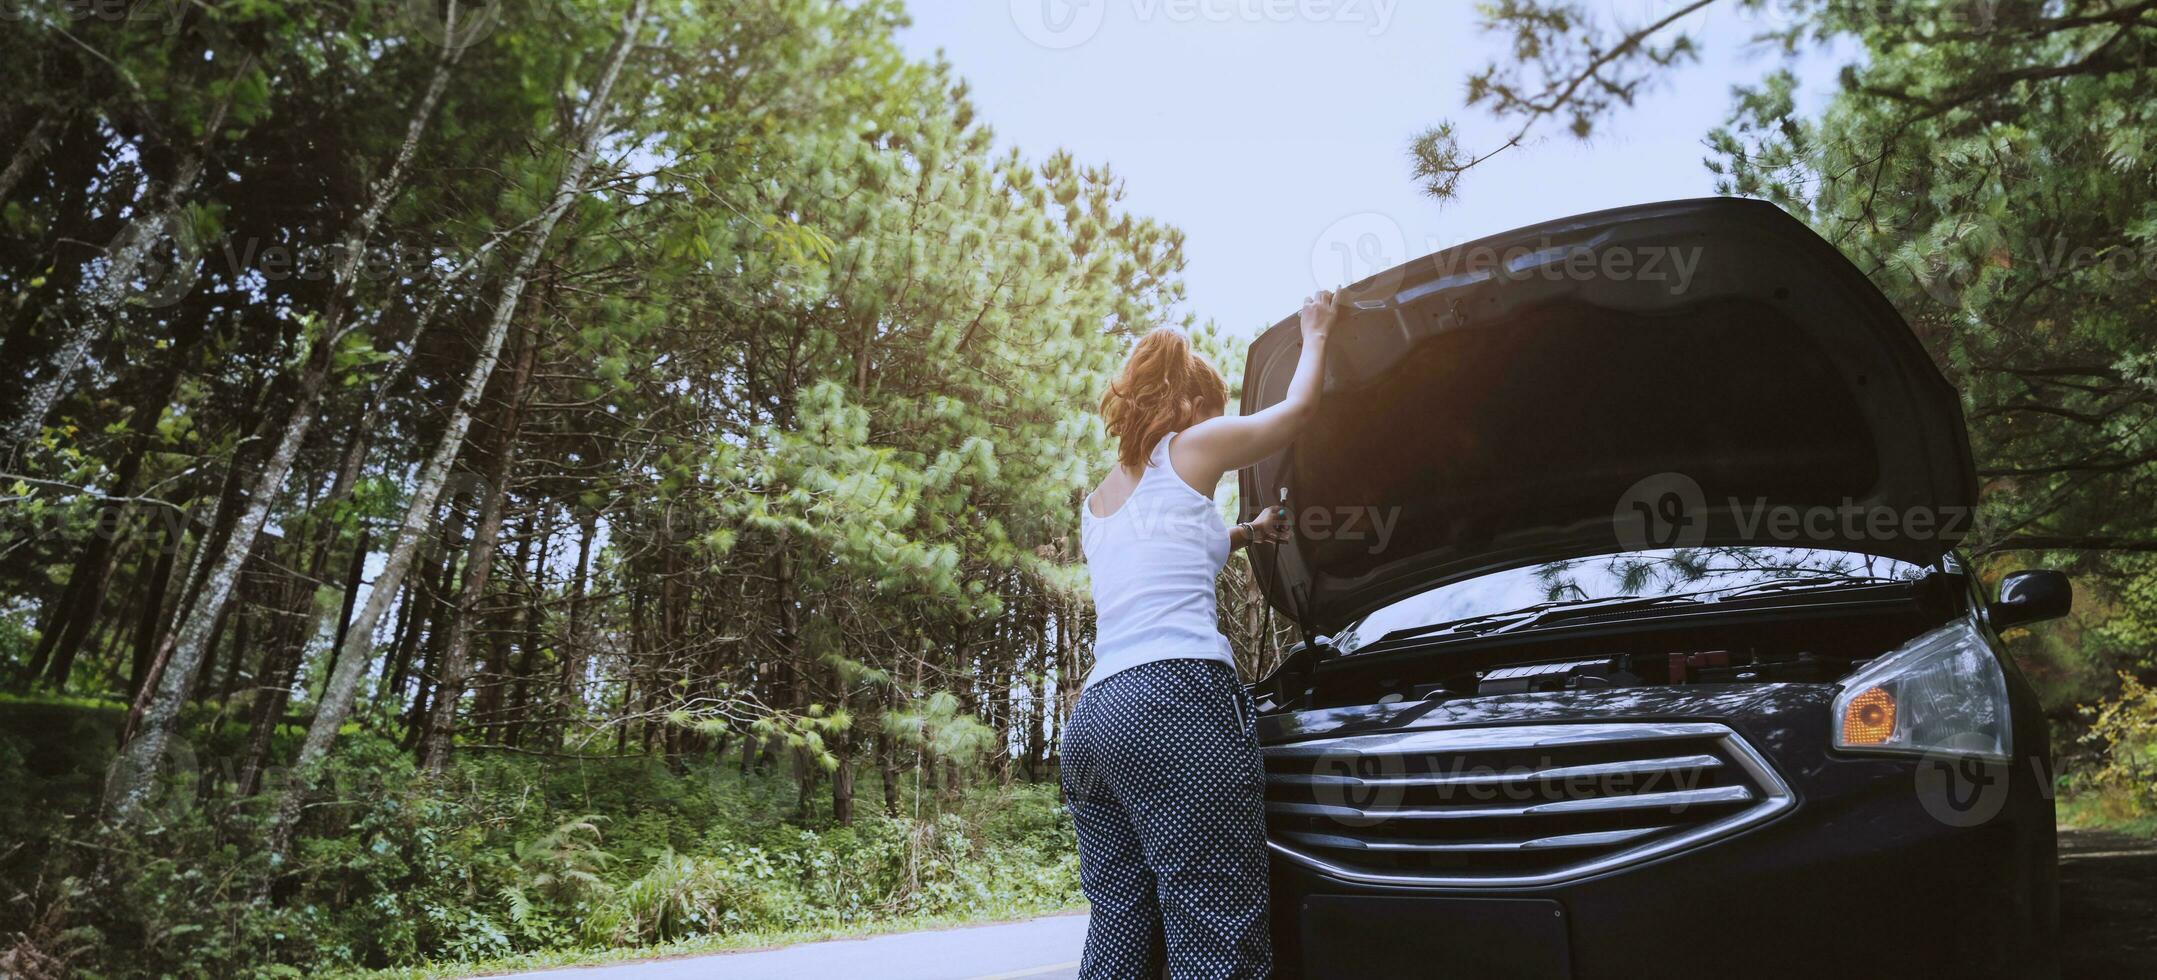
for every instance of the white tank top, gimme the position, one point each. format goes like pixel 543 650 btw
pixel 1153 564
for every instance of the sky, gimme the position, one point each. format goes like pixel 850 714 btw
pixel 1275 132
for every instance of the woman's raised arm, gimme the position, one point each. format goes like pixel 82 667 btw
pixel 1216 446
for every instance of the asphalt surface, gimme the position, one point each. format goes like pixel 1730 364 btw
pixel 1035 949
pixel 2108 919
pixel 2108 906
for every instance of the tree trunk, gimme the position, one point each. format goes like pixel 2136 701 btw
pixel 842 748
pixel 274 695
pixel 80 608
pixel 170 537
pixel 434 745
pixel 414 608
pixel 433 620
pixel 235 661
pixel 209 663
pixel 223 514
pixel 352 661
pixel 124 261
pixel 787 610
pixel 842 779
pixel 1041 695
pixel 94 568
pixel 353 576
pixel 129 784
pixel 80 147
pixel 887 758
pixel 491 705
pixel 534 589
pixel 574 653
pixel 28 153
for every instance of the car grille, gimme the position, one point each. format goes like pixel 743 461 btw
pixel 1521 805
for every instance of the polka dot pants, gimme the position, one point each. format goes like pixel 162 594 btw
pixel 1161 772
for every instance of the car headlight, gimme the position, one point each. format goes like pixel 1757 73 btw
pixel 1941 692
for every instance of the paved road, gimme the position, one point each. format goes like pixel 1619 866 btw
pixel 1036 949
pixel 2108 906
pixel 2108 912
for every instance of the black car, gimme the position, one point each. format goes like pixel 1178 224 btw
pixel 1639 644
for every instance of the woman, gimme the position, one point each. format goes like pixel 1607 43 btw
pixel 1160 758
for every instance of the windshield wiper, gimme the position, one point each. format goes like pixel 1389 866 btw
pixel 1543 612
pixel 1808 582
pixel 1455 625
pixel 1616 603
pixel 1505 622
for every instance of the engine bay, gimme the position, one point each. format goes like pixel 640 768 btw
pixel 1628 670
pixel 1822 650
pixel 1635 670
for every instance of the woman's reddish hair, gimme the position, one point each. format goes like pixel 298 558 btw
pixel 1165 387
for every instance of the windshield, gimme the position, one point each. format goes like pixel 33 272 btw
pixel 1662 572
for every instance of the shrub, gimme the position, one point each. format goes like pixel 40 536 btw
pixel 500 855
pixel 2123 787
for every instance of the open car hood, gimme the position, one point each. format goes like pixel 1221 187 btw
pixel 1704 372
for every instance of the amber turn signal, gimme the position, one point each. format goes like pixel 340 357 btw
pixel 1869 719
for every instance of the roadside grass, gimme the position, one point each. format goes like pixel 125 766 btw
pixel 2097 810
pixel 2114 786
pixel 503 863
pixel 741 942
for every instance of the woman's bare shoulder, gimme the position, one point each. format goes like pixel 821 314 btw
pixel 1109 495
pixel 1195 455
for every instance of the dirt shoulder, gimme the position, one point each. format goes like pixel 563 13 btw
pixel 2108 905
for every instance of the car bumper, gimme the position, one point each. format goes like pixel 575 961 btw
pixel 1869 874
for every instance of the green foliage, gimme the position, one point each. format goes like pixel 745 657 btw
pixel 1988 166
pixel 682 895
pixel 564 864
pixel 937 723
pixel 499 857
pixel 2122 787
pixel 1984 164
pixel 1562 62
pixel 807 375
